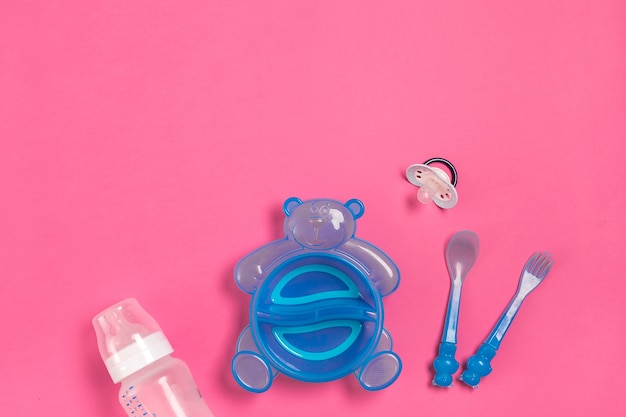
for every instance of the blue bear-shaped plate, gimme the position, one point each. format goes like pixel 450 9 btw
pixel 316 313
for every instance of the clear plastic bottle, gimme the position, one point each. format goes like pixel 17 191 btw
pixel 137 354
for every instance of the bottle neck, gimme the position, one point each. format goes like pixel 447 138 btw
pixel 138 355
pixel 149 372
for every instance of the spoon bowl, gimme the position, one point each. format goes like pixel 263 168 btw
pixel 461 254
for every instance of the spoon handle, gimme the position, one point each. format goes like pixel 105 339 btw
pixel 479 365
pixel 445 364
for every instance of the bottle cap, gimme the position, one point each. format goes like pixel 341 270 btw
pixel 129 339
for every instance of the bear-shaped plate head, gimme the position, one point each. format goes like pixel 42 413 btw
pixel 321 224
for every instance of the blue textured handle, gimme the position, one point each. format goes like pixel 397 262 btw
pixel 479 365
pixel 445 365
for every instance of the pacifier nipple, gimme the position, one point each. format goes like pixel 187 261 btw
pixel 424 195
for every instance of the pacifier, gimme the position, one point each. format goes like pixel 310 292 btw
pixel 434 183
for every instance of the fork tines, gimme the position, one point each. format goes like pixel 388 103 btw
pixel 539 264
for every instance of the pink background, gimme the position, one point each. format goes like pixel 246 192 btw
pixel 146 146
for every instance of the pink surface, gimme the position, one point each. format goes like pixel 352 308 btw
pixel 147 146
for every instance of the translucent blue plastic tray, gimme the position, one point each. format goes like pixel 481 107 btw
pixel 316 313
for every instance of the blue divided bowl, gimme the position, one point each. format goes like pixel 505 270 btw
pixel 317 317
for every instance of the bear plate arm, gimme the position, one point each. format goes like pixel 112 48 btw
pixel 251 270
pixel 382 271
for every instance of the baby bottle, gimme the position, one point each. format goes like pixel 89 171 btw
pixel 137 354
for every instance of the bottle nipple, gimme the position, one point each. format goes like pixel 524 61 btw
pixel 129 339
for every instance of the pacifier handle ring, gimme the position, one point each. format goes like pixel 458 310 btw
pixel 454 175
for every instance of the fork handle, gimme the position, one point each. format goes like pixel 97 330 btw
pixel 445 365
pixel 478 365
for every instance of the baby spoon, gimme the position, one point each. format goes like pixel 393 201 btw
pixel 461 255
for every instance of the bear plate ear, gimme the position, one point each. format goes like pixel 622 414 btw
pixel 290 204
pixel 356 207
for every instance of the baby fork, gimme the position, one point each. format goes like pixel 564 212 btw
pixel 479 365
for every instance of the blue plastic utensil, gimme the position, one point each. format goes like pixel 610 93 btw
pixel 479 365
pixel 461 255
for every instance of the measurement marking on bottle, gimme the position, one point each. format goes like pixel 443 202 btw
pixel 133 404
